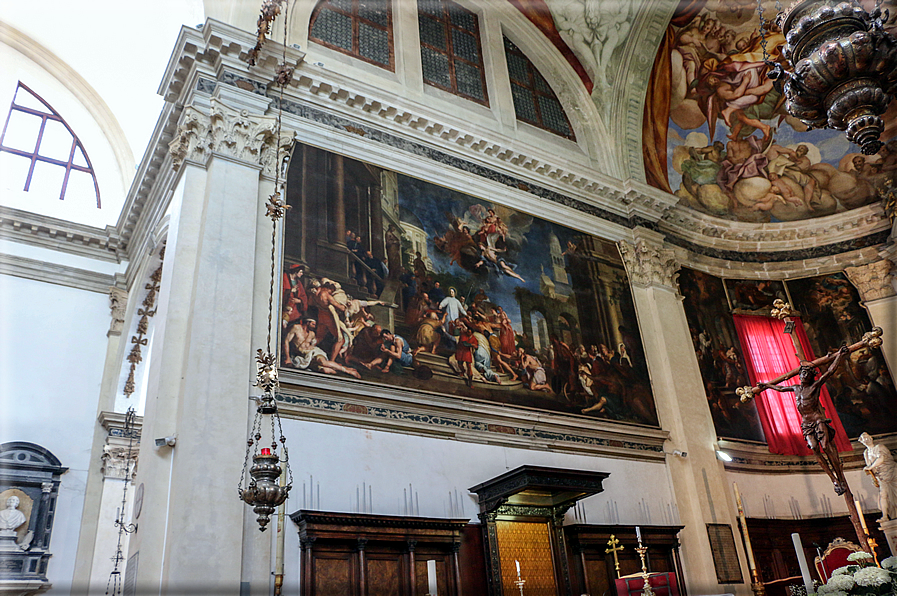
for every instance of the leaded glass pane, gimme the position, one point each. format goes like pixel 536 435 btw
pixel 517 68
pixel 542 84
pixel 523 104
pixel 432 7
pixel 465 46
pixel 463 19
pixel 344 5
pixel 469 80
pixel 432 32
pixel 333 28
pixel 553 115
pixel 436 67
pixel 374 11
pixel 373 44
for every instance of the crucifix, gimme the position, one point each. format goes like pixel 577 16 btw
pixel 615 547
pixel 814 424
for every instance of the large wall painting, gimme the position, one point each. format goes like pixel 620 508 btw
pixel 863 391
pixel 716 133
pixel 401 282
pixel 719 353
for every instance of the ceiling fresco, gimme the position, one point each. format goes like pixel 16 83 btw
pixel 716 133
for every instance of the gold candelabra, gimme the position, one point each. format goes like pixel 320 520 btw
pixel 642 550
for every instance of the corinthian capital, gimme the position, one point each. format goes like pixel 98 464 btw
pixel 228 131
pixel 648 264
pixel 873 281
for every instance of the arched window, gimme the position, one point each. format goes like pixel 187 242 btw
pixel 360 28
pixel 450 49
pixel 534 101
pixel 41 152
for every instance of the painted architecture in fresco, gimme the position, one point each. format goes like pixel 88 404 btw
pixel 717 135
pixel 395 280
pixel 719 355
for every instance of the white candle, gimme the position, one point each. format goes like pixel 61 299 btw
pixel 638 534
pixel 518 567
pixel 802 560
pixel 431 577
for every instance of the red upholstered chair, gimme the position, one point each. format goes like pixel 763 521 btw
pixel 835 556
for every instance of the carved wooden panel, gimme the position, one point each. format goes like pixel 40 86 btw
pixel 530 544
pixel 443 574
pixel 333 574
pixel 384 574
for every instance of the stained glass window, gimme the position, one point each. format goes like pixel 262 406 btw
pixel 359 28
pixel 40 152
pixel 534 101
pixel 450 49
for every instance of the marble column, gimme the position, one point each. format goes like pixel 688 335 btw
pixel 699 480
pixel 875 283
pixel 192 536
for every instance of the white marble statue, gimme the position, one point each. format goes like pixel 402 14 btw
pixel 881 466
pixel 11 518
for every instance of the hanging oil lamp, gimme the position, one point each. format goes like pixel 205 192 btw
pixel 841 68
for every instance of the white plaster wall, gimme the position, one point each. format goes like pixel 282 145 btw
pixel 342 459
pixel 790 496
pixel 52 349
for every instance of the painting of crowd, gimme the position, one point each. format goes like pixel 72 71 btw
pixel 719 136
pixel 446 317
pixel 863 390
pixel 718 351
pixel 830 311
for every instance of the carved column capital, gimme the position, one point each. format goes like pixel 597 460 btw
pixel 119 462
pixel 118 303
pixel 874 280
pixel 237 133
pixel 649 264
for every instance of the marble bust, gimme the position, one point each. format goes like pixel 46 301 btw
pixel 11 518
pixel 881 466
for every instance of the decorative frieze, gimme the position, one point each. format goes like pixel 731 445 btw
pixel 648 264
pixel 873 281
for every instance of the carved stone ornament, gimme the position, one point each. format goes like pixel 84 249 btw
pixel 227 131
pixel 873 281
pixel 649 265
pixel 116 461
pixel 118 303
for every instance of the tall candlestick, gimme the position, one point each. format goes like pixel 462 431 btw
pixel 747 542
pixel 638 534
pixel 802 561
pixel 431 578
pixel 862 516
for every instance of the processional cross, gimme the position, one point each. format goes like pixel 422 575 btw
pixel 615 547
pixel 815 426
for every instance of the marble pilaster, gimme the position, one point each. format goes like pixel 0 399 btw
pixel 202 360
pixel 698 480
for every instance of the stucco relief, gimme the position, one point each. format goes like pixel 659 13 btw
pixel 873 281
pixel 228 131
pixel 649 265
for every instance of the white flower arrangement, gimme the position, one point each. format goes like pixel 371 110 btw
pixel 843 570
pixel 890 563
pixel 872 576
pixel 823 591
pixel 859 556
pixel 842 582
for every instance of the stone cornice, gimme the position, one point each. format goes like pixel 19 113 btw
pixel 59 234
pixel 54 273
pixel 756 458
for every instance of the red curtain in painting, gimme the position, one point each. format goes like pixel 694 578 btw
pixel 769 353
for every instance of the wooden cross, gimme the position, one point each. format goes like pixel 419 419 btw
pixel 615 547
pixel 783 311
